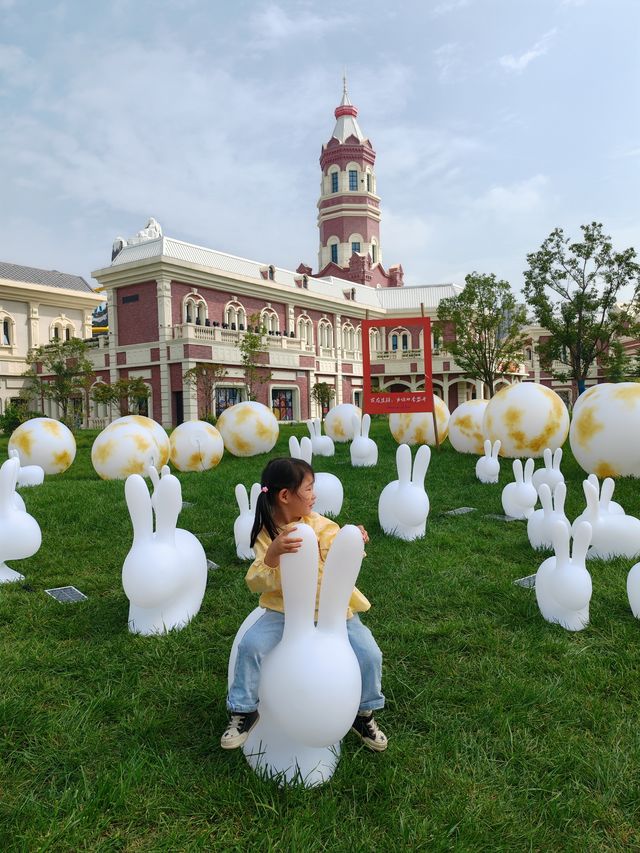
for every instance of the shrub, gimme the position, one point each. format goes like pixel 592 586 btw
pixel 14 415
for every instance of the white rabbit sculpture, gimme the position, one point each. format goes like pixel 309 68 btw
pixel 614 535
pixel 20 534
pixel 310 684
pixel 364 450
pixel 327 487
pixel 488 466
pixel 28 475
pixel 165 573
pixel 186 542
pixel 540 523
pixel 563 584
pixel 403 506
pixel 605 504
pixel 551 473
pixel 633 589
pixel 520 497
pixel 322 444
pixel 244 522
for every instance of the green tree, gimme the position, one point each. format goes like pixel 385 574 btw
pixel 130 394
pixel 251 346
pixel 488 327
pixel 573 290
pixel 204 378
pixel 59 371
pixel 322 393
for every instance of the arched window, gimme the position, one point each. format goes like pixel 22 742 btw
pixel 334 180
pixel 8 336
pixel 355 243
pixel 528 354
pixel 61 329
pixel 305 329
pixel 332 245
pixel 374 251
pixel 400 339
pixel 358 339
pixel 348 336
pixel 194 309
pixel 271 272
pixel 374 340
pixel 270 320
pixel 235 315
pixel 325 333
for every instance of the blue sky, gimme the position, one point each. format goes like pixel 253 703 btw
pixel 494 121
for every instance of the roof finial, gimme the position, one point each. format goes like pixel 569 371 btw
pixel 344 81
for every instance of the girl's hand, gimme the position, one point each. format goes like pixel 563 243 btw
pixel 284 543
pixel 365 535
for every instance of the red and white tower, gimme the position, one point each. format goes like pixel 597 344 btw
pixel 348 208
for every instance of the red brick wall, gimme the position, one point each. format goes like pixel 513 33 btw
pixel 216 301
pixel 137 321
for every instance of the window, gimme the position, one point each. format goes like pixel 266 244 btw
pixel 132 298
pixel 282 403
pixel 272 273
pixel 368 182
pixel 353 180
pixel 56 333
pixel 394 342
pixel 269 320
pixel 325 333
pixel 226 397
pixel 6 332
pixel 355 247
pixel 334 182
pixel 334 253
pixel 374 253
pixel 67 334
pixel 405 342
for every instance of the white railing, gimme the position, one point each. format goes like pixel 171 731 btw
pixel 216 334
pixel 382 355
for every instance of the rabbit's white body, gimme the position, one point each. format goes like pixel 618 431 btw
pixel 327 487
pixel 244 522
pixel 403 506
pixel 322 445
pixel 488 466
pixel 20 534
pixel 364 450
pixel 551 473
pixel 540 523
pixel 605 504
pixel 633 589
pixel 563 584
pixel 28 475
pixel 613 535
pixel 520 497
pixel 165 573
pixel 310 684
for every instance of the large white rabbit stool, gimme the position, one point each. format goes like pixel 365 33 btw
pixel 403 505
pixel 310 683
pixel 614 535
pixel 165 573
pixel 488 466
pixel 633 589
pixel 605 504
pixel 563 584
pixel 244 522
pixel 28 475
pixel 551 473
pixel 20 535
pixel 322 445
pixel 327 487
pixel 364 450
pixel 520 497
pixel 540 523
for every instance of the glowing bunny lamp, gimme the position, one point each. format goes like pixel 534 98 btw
pixel 403 505
pixel 364 450
pixel 244 522
pixel 633 589
pixel 28 475
pixel 310 684
pixel 488 466
pixel 20 535
pixel 614 535
pixel 551 473
pixel 520 497
pixel 196 446
pixel 165 573
pixel 526 417
pixel 327 487
pixel 322 444
pixel 248 428
pixel 563 584
pixel 338 422
pixel 417 427
pixel 540 524
pixel 44 442
pixel 465 426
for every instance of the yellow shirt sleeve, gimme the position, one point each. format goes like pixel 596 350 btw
pixel 261 577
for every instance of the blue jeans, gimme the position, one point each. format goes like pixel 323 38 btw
pixel 266 633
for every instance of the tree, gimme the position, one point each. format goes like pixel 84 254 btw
pixel 59 371
pixel 129 393
pixel 573 289
pixel 250 348
pixel 322 393
pixel 488 324
pixel 204 378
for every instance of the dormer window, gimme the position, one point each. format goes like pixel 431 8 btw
pixel 353 180
pixel 305 282
pixel 271 273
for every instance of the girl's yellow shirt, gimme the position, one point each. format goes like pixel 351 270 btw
pixel 266 579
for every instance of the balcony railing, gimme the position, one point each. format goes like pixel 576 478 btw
pixel 216 334
pixel 383 355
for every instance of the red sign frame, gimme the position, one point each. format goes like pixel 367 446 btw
pixel 397 401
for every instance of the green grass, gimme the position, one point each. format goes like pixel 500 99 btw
pixel 506 733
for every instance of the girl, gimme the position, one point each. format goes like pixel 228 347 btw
pixel 286 497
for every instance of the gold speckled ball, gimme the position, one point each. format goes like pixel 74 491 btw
pixel 159 433
pixel 248 428
pixel 196 446
pixel 338 421
pixel 127 446
pixel 465 427
pixel 417 427
pixel 527 417
pixel 45 442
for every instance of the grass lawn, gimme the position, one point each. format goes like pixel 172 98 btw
pixel 506 733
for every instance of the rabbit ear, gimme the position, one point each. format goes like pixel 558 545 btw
pixel 242 498
pixel 165 470
pixel 421 464
pixel 581 541
pixel 153 476
pixel 312 428
pixel 560 540
pixel 557 458
pixel 167 506
pixel 139 504
pixel 366 425
pixel 593 479
pixel 318 427
pixel 355 425
pixel 591 496
pixel 339 578
pixel 528 470
pixel 294 448
pixel 548 461
pixel 544 493
pixel 497 444
pixel 487 447
pixel 403 463
pixel 13 453
pixel 559 495
pixel 517 470
pixel 607 492
pixel 306 450
pixel 255 491
pixel 8 480
pixel 299 578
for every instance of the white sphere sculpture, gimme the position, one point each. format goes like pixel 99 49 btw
pixel 605 428
pixel 126 447
pixel 526 417
pixel 195 446
pixel 248 428
pixel 465 427
pixel 44 442
pixel 338 422
pixel 417 427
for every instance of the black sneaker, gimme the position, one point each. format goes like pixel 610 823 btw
pixel 238 729
pixel 369 732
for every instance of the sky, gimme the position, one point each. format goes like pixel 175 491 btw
pixel 493 121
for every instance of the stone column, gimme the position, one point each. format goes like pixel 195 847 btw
pixel 338 348
pixel 163 289
pixel 34 325
pixel 87 327
pixel 112 297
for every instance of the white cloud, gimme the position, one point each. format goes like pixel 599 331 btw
pixel 448 60
pixel 519 63
pixel 272 25
pixel 448 6
pixel 16 68
pixel 516 200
